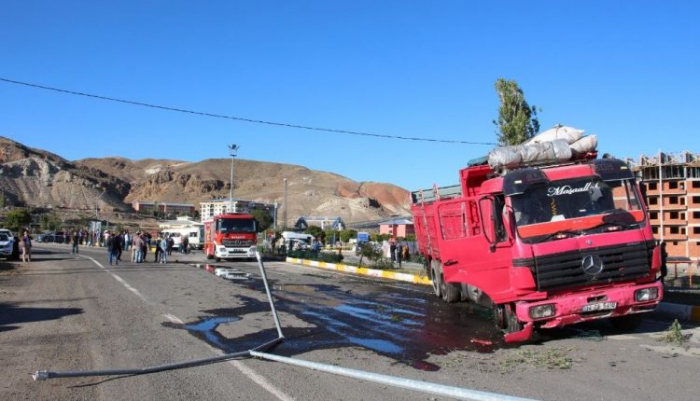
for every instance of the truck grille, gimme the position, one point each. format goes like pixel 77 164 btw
pixel 236 242
pixel 564 270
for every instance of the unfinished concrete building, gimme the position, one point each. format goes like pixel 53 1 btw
pixel 672 186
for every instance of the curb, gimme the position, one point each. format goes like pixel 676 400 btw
pixel 689 313
pixel 363 271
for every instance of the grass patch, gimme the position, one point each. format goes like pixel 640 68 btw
pixel 674 334
pixel 555 358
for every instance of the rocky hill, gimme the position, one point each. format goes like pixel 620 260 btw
pixel 42 179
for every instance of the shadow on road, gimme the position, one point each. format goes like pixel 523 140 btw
pixel 11 315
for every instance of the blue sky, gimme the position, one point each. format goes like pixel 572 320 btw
pixel 627 71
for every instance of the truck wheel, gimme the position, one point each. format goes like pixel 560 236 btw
pixel 474 293
pixel 513 325
pixel 218 260
pixel 627 322
pixel 450 292
pixel 435 277
pixel 504 318
pixel 499 317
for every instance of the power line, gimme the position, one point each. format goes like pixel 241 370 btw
pixel 247 120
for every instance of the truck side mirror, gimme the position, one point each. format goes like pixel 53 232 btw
pixel 488 220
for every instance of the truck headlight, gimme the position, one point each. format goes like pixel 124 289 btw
pixel 646 294
pixel 542 311
pixel 222 249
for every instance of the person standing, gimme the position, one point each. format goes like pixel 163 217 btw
pixel 406 253
pixel 392 250
pixel 315 248
pixel 157 250
pixel 136 248
pixel 164 245
pixel 26 244
pixel 76 241
pixel 185 244
pixel 114 248
pixel 399 254
pixel 171 244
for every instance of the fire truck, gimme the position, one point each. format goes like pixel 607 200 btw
pixel 230 236
pixel 544 244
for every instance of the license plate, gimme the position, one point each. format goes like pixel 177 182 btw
pixel 599 306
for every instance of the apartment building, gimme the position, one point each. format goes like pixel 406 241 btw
pixel 214 207
pixel 164 207
pixel 672 186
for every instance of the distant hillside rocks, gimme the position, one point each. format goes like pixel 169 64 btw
pixel 40 178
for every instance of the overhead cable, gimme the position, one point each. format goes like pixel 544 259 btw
pixel 248 120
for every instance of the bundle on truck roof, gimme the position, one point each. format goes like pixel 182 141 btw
pixel 544 233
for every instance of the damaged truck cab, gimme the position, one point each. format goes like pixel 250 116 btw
pixel 544 246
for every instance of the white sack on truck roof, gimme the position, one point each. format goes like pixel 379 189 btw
pixel 586 144
pixel 557 150
pixel 570 134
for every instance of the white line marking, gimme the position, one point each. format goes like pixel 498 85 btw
pixel 119 279
pixel 261 381
pixel 247 371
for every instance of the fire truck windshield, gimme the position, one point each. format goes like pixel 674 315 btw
pixel 237 225
pixel 576 198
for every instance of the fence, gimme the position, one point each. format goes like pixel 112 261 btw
pixel 683 274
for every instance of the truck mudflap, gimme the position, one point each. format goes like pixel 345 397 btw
pixel 520 336
pixel 590 305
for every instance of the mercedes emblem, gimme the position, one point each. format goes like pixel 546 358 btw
pixel 592 265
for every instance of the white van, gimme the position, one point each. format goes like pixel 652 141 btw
pixel 195 236
pixel 294 240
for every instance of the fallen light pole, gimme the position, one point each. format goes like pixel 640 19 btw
pixel 259 352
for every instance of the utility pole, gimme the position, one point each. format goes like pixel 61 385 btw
pixel 661 197
pixel 284 221
pixel 233 148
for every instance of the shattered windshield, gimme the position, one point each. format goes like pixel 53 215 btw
pixel 578 198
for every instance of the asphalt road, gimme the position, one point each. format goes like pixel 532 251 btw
pixel 67 313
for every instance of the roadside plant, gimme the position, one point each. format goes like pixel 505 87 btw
pixel 674 334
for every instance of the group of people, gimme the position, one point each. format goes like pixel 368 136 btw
pixel 398 252
pixel 139 244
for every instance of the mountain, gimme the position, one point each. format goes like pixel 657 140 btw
pixel 39 178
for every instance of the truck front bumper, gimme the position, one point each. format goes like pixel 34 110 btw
pixel 235 253
pixel 591 305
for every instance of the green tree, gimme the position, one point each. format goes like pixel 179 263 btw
pixel 50 221
pixel 316 231
pixel 17 219
pixel 517 120
pixel 347 234
pixel 263 218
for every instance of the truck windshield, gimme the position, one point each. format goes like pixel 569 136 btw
pixel 237 225
pixel 607 203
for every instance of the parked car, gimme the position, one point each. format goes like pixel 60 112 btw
pixel 58 237
pixel 9 246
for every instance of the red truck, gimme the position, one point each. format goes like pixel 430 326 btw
pixel 544 246
pixel 230 236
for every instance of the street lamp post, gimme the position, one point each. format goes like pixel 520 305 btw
pixel 233 148
pixel 284 217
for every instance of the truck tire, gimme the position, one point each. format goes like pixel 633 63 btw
pixel 474 294
pixel 505 319
pixel 436 277
pixel 450 292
